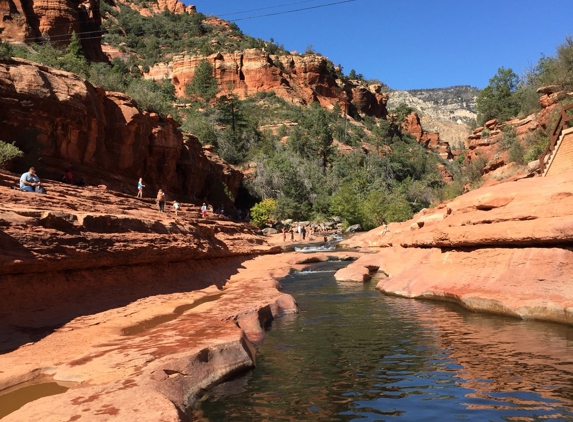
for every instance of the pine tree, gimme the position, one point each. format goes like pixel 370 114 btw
pixel 204 85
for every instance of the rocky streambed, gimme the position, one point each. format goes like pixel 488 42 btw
pixel 139 312
pixel 134 312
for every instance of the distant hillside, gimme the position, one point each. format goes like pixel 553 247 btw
pixel 445 110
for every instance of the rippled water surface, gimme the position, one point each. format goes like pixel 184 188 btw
pixel 354 354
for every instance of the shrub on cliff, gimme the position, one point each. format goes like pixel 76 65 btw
pixel 8 152
pixel 6 50
pixel 153 96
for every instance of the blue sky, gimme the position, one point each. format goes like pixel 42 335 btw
pixel 411 44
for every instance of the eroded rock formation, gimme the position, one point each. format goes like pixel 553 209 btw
pixel 503 249
pixel 61 121
pixel 430 140
pixel 27 22
pixel 299 79
pixel 151 308
pixel 487 141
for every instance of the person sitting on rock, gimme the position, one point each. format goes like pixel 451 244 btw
pixel 30 182
pixel 68 177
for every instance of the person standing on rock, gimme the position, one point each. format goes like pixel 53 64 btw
pixel 160 200
pixel 30 182
pixel 204 210
pixel 140 187
pixel 284 234
pixel 176 207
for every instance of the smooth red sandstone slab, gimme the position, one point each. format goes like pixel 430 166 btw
pixel 504 248
pixel 157 368
pixel 525 212
pixel 359 271
pixel 176 358
pixel 530 283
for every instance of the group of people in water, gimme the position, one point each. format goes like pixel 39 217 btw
pixel 302 231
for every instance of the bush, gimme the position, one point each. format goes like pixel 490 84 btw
pixel 516 154
pixel 8 152
pixel 152 96
pixel 263 211
pixel 6 50
pixel 373 210
pixel 398 209
pixel 536 144
pixel 472 172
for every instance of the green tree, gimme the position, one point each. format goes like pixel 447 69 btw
pixel 203 85
pixel 152 96
pixel 239 134
pixel 74 59
pixel 398 208
pixel 316 121
pixel 263 211
pixel 372 210
pixel 8 152
pixel 345 203
pixel 498 100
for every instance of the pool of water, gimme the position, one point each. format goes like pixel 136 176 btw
pixel 14 398
pixel 352 354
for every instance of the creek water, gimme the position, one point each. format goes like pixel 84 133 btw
pixel 353 354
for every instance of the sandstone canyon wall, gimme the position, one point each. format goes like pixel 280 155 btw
pixel 61 121
pixel 430 140
pixel 26 21
pixel 506 249
pixel 140 310
pixel 487 141
pixel 298 79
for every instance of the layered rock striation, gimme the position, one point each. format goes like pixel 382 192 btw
pixel 504 248
pixel 140 310
pixel 61 121
pixel 430 140
pixel 298 79
pixel 30 22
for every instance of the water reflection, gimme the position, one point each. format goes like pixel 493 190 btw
pixel 352 354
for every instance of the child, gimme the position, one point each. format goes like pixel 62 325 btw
pixel 204 210
pixel 176 207
pixel 140 187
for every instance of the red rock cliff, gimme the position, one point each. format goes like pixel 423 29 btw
pixel 26 21
pixel 298 79
pixel 430 140
pixel 60 120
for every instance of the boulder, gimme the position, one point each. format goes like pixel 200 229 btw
pixel 354 228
